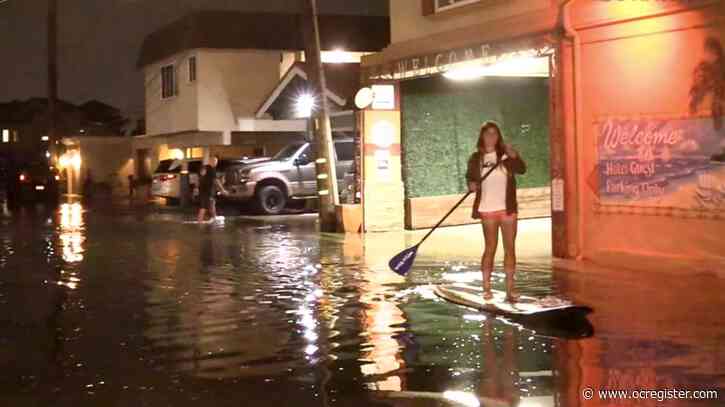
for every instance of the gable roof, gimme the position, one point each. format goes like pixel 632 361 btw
pixel 342 82
pixel 265 31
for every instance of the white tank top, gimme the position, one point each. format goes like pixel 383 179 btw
pixel 493 188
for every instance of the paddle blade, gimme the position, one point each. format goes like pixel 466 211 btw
pixel 403 261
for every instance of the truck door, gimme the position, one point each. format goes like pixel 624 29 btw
pixel 306 170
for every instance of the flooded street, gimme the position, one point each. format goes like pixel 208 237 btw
pixel 122 307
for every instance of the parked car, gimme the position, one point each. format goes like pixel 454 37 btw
pixel 271 183
pixel 36 182
pixel 166 181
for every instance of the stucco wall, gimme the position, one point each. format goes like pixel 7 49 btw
pixel 408 22
pixel 178 113
pixel 233 84
pixel 109 159
pixel 230 84
pixel 643 68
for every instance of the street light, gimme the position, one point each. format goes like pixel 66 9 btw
pixel 304 105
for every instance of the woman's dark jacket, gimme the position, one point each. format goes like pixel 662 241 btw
pixel 513 166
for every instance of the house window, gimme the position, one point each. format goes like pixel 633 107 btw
pixel 168 82
pixel 6 136
pixel 437 6
pixel 192 69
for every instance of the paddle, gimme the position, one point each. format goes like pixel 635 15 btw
pixel 403 261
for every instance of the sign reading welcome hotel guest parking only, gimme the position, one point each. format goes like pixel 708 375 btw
pixel 661 163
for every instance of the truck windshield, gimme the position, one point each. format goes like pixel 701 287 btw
pixel 287 152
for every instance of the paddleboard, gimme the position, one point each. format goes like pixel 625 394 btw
pixel 524 306
pixel 548 316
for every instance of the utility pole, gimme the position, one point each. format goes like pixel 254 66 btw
pixel 52 73
pixel 325 162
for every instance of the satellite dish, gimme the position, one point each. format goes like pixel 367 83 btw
pixel 364 98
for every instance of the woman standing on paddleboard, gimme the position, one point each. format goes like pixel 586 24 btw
pixel 495 202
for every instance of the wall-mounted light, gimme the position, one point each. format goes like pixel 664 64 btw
pixel 340 56
pixel 383 134
pixel 176 154
pixel 70 159
pixel 524 65
pixel 76 161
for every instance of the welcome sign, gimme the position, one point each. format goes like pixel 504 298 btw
pixel 663 163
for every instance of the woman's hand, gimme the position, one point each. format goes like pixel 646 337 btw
pixel 472 187
pixel 510 151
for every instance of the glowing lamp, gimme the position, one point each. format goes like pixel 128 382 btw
pixel 304 105
pixel 383 133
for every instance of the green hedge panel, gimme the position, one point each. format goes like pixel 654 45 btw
pixel 441 119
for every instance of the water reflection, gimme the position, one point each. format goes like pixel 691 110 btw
pixel 71 232
pixel 72 238
pixel 154 311
pixel 382 325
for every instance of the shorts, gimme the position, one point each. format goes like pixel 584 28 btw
pixel 206 201
pixel 498 216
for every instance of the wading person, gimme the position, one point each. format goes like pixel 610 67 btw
pixel 495 202
pixel 208 185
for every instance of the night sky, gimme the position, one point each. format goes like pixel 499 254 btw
pixel 99 41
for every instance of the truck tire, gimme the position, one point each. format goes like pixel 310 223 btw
pixel 271 199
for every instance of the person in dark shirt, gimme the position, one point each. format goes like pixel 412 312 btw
pixel 208 186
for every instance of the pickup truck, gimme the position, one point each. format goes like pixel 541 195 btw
pixel 271 183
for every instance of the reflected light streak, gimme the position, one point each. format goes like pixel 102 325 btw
pixel 379 318
pixel 462 397
pixel 71 236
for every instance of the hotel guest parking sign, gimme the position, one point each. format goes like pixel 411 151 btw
pixel 674 163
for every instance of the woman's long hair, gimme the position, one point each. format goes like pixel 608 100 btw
pixel 499 143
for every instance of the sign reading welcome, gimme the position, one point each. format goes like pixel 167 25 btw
pixel 440 62
pixel 666 163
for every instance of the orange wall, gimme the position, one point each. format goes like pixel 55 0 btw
pixel 640 67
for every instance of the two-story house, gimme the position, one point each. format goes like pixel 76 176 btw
pixel 614 105
pixel 222 82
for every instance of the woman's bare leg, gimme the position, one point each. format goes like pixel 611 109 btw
pixel 490 236
pixel 508 231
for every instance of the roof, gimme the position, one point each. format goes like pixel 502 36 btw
pixel 25 111
pixel 342 82
pixel 264 31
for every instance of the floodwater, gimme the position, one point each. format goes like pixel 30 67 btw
pixel 121 307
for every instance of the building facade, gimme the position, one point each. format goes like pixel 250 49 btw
pixel 616 106
pixel 211 79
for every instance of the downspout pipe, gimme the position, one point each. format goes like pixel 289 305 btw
pixel 578 122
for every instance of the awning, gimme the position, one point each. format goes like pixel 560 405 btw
pixel 489 42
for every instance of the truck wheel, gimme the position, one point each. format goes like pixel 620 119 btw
pixel 271 199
